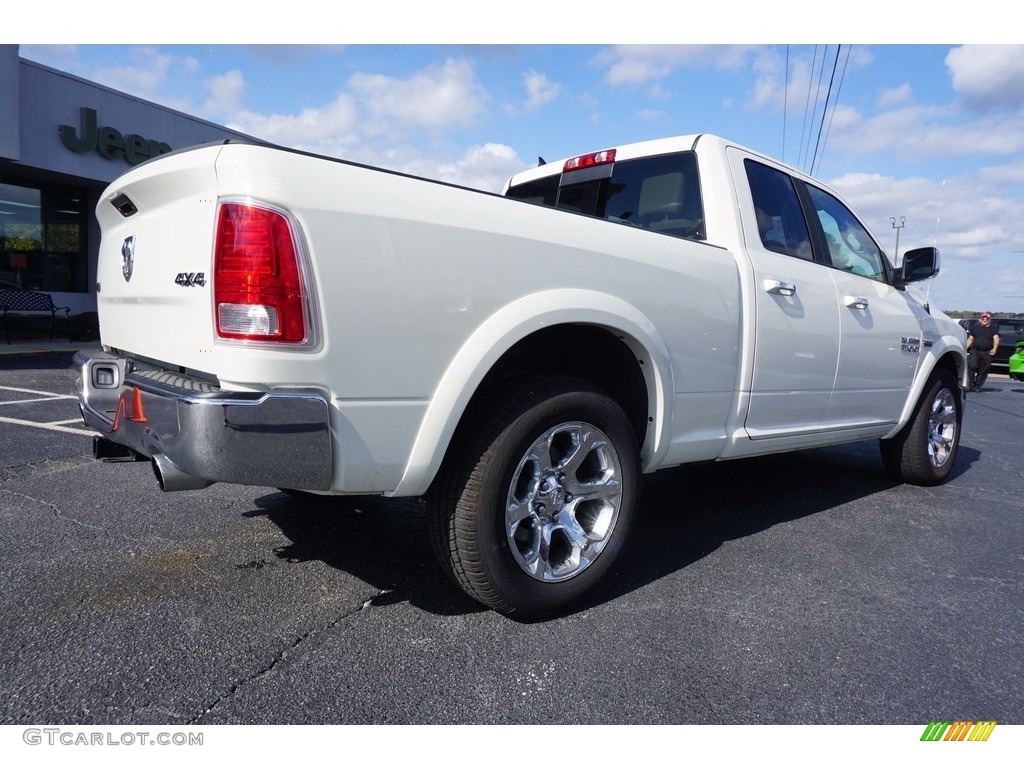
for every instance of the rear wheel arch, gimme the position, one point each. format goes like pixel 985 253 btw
pixel 627 359
pixel 607 360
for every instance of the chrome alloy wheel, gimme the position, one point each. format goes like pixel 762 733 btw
pixel 942 427
pixel 563 501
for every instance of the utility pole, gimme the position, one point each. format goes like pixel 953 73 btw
pixel 897 227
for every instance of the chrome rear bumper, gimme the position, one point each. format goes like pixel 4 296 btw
pixel 279 439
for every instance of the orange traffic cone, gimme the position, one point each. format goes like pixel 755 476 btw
pixel 137 413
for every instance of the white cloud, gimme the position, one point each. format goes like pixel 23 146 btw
pixel 795 80
pixel 860 56
pixel 988 76
pixel 899 96
pixel 978 240
pixel 634 65
pixel 921 132
pixel 772 84
pixel 226 94
pixel 435 98
pixel 365 123
pixel 375 117
pixel 652 115
pixel 143 76
pixel 288 54
pixel 1004 175
pixel 328 129
pixel 539 89
pixel 487 166
pixel 482 166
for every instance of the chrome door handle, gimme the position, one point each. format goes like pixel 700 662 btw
pixel 855 302
pixel 779 287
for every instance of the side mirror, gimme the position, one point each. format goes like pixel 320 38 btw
pixel 918 264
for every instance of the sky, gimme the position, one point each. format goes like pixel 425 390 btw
pixel 929 134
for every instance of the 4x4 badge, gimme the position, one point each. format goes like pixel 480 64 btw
pixel 191 279
pixel 128 257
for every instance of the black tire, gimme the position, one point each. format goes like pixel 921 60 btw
pixel 924 451
pixel 565 458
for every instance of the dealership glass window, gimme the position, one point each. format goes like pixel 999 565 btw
pixel 42 237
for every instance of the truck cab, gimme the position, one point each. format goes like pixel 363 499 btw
pixel 831 339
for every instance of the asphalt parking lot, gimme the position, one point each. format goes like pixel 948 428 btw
pixel 803 588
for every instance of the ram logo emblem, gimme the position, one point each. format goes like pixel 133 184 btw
pixel 128 257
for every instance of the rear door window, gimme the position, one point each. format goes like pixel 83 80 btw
pixel 780 218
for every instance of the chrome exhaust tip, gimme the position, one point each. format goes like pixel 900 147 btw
pixel 170 477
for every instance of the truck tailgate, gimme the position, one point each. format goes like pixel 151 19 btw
pixel 158 224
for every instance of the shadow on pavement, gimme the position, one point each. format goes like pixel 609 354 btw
pixel 684 515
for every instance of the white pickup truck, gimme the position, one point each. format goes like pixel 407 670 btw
pixel 274 318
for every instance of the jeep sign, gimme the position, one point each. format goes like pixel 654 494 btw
pixel 109 142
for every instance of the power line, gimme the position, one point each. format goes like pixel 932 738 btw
pixel 824 108
pixel 785 104
pixel 801 154
pixel 835 101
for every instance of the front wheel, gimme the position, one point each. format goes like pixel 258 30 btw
pixel 924 451
pixel 536 504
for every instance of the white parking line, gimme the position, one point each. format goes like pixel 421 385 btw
pixel 29 400
pixel 53 426
pixel 55 395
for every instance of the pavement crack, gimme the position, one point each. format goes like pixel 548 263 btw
pixel 283 655
pixel 14 471
pixel 57 513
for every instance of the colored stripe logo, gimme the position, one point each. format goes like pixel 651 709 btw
pixel 958 730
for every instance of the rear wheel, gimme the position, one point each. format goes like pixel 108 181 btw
pixel 538 499
pixel 924 451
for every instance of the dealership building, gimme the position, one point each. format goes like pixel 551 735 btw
pixel 62 141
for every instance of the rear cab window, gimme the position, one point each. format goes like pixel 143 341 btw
pixel 659 193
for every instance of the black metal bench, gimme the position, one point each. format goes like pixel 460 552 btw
pixel 30 301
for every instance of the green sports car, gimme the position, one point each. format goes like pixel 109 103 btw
pixel 1017 362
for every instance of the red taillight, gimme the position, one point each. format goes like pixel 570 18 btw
pixel 257 286
pixel 603 157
